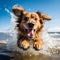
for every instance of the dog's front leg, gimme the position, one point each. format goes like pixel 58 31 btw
pixel 23 44
pixel 38 44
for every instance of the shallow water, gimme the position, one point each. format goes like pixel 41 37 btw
pixel 37 57
pixel 54 54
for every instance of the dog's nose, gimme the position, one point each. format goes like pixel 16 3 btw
pixel 30 25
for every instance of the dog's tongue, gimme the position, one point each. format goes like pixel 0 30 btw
pixel 30 32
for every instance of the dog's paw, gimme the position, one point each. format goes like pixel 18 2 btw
pixel 24 45
pixel 38 44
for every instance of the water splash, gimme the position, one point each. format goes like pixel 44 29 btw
pixel 12 31
pixel 13 17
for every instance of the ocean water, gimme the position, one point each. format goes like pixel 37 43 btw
pixel 54 34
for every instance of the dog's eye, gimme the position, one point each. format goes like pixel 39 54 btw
pixel 26 18
pixel 41 21
pixel 35 18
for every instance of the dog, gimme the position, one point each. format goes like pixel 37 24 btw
pixel 29 28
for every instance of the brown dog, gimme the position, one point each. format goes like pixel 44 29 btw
pixel 29 28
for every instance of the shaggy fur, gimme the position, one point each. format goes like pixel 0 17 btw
pixel 29 27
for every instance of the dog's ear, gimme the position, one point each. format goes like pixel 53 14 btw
pixel 44 16
pixel 18 11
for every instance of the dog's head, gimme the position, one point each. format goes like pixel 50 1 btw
pixel 30 24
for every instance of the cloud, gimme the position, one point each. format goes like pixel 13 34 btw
pixel 54 29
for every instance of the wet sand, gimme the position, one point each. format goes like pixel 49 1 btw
pixel 55 55
pixel 36 57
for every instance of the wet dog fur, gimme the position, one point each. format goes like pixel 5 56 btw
pixel 29 27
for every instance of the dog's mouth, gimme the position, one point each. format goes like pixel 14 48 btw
pixel 30 33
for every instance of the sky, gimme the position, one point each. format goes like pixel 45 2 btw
pixel 50 7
